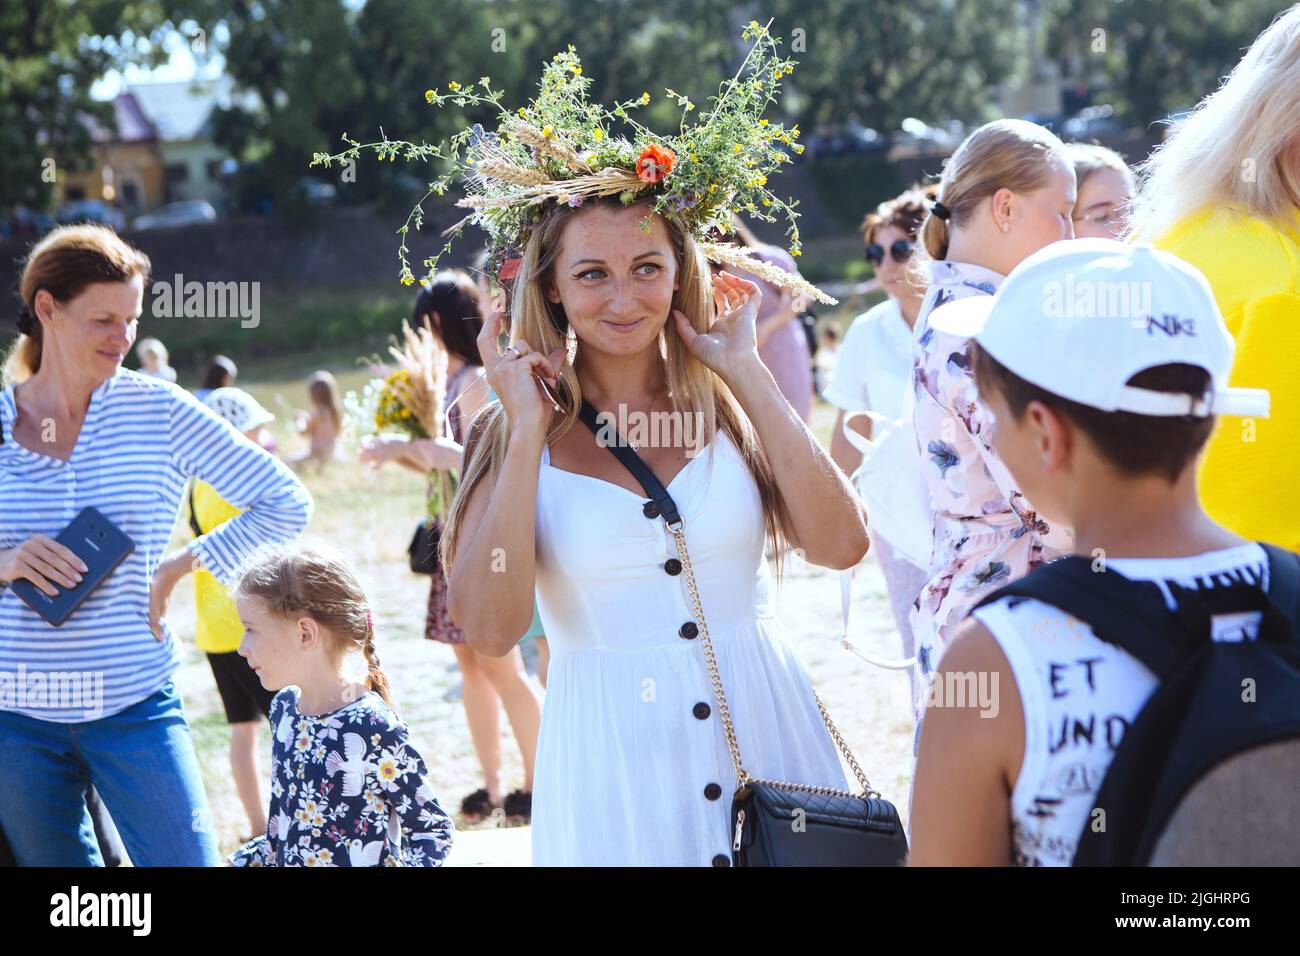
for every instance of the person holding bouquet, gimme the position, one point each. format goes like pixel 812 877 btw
pixel 441 378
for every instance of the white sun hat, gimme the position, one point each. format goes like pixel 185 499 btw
pixel 1080 317
pixel 238 407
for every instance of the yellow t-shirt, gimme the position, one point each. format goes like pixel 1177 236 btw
pixel 1252 466
pixel 216 626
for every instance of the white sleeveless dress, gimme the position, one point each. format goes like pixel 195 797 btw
pixel 632 763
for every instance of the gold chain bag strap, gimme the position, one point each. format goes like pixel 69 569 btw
pixel 678 530
pixel 777 823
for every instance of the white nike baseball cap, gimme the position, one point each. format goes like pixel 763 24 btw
pixel 1081 317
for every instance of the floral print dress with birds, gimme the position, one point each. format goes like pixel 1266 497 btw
pixel 985 533
pixel 347 789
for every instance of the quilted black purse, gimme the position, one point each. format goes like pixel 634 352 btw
pixel 776 823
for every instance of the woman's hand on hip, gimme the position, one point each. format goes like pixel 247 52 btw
pixel 168 573
pixel 44 562
pixel 514 375
pixel 730 344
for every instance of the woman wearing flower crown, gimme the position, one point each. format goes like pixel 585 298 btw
pixel 601 238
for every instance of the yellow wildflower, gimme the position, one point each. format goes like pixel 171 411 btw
pixel 645 99
pixel 736 148
pixel 453 86
pixel 429 95
pixel 762 122
pixel 598 134
pixel 546 131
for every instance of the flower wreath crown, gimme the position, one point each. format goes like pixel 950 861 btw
pixel 560 149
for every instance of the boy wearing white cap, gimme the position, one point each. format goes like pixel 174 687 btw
pixel 1104 365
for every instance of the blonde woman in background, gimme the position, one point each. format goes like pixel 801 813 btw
pixel 1105 186
pixel 1007 191
pixel 1223 193
pixel 154 360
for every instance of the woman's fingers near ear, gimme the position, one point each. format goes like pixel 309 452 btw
pixel 684 327
pixel 556 360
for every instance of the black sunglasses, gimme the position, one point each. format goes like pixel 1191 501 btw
pixel 900 249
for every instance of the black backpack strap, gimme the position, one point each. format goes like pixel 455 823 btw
pixel 194 518
pixel 1284 582
pixel 633 463
pixel 1132 615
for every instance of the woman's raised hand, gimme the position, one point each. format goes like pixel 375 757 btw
pixel 731 340
pixel 514 374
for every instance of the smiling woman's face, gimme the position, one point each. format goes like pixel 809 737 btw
pixel 615 280
pixel 98 327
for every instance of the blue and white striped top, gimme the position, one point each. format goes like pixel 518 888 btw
pixel 142 438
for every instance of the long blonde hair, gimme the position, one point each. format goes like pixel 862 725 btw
pixel 1005 154
pixel 695 389
pixel 1232 151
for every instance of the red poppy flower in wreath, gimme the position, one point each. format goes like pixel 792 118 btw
pixel 655 164
pixel 510 268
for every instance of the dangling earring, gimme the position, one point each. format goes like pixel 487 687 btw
pixel 1006 226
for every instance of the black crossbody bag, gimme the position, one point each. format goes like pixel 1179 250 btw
pixel 775 823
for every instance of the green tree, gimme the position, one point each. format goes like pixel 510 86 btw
pixel 1147 59
pixel 50 55
pixel 885 60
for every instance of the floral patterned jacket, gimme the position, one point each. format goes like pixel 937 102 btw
pixel 985 532
pixel 347 789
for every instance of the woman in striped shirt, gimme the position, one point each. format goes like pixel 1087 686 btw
pixel 94 698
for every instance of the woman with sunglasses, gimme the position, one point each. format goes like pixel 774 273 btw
pixel 875 365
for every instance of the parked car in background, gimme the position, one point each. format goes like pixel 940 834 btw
pixel 917 138
pixel 91 210
pixel 318 191
pixel 191 212
pixel 1054 122
pixel 26 224
pixel 842 140
pixel 1093 122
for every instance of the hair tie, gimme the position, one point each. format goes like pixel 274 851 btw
pixel 26 321
pixel 940 210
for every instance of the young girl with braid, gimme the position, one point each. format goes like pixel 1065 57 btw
pixel 348 788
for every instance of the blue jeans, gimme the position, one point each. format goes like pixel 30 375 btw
pixel 141 761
